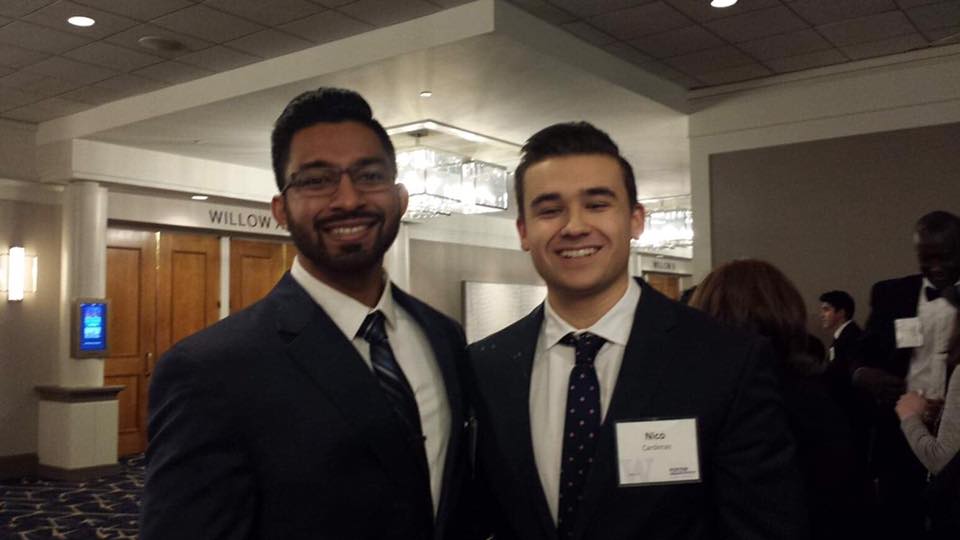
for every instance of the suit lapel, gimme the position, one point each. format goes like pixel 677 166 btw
pixel 637 384
pixel 909 296
pixel 319 348
pixel 515 357
pixel 447 352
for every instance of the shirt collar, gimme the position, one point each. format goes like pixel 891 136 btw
pixel 614 326
pixel 346 312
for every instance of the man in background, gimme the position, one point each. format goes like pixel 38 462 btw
pixel 904 348
pixel 836 318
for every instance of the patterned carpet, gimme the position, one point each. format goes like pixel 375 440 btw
pixel 102 508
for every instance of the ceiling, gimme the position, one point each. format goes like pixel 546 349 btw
pixel 609 61
pixel 506 90
pixel 50 69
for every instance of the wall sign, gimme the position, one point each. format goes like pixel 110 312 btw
pixel 193 214
pixel 666 265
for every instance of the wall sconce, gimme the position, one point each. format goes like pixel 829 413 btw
pixel 18 273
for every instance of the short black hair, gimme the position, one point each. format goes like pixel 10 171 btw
pixel 940 225
pixel 321 105
pixel 566 139
pixel 840 300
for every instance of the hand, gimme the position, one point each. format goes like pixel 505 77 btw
pixel 910 404
pixel 884 388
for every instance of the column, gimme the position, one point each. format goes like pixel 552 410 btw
pixel 77 432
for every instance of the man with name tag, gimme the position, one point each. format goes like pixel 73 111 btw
pixel 332 408
pixel 904 347
pixel 611 412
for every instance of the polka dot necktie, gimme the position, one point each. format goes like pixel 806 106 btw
pixel 392 381
pixel 581 429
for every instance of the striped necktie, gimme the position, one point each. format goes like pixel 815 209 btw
pixel 392 381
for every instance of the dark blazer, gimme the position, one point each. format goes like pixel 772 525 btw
pixel 889 300
pixel 845 348
pixel 268 424
pixel 677 363
pixel 901 475
pixel 853 402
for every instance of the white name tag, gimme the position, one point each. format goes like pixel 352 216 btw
pixel 657 452
pixel 909 333
pixel 833 354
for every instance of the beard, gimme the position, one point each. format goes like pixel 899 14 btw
pixel 351 259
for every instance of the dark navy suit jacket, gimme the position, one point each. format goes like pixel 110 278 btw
pixel 270 425
pixel 677 363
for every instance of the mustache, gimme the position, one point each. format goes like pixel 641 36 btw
pixel 359 214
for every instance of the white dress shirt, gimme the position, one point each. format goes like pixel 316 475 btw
pixel 552 364
pixel 928 365
pixel 410 348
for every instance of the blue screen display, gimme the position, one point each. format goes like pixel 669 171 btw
pixel 93 326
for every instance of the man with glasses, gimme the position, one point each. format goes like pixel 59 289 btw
pixel 331 408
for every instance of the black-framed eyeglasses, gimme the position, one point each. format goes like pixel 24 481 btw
pixel 324 181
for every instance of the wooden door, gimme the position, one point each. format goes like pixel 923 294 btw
pixel 255 267
pixel 162 288
pixel 668 284
pixel 131 288
pixel 188 286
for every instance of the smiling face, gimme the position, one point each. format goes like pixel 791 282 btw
pixel 577 224
pixel 347 232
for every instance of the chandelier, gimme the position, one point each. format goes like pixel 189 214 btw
pixel 442 181
pixel 666 229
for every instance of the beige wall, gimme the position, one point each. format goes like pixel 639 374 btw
pixel 17 150
pixel 438 268
pixel 834 213
pixel 28 329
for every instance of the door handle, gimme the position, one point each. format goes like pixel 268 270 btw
pixel 150 365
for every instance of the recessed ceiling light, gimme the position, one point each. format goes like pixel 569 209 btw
pixel 158 43
pixel 426 94
pixel 81 21
pixel 722 3
pixel 199 197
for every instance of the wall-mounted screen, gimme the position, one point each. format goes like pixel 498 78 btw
pixel 90 327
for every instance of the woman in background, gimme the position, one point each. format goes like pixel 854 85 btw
pixel 755 296
pixel 939 454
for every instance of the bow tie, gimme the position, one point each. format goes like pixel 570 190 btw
pixel 951 294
